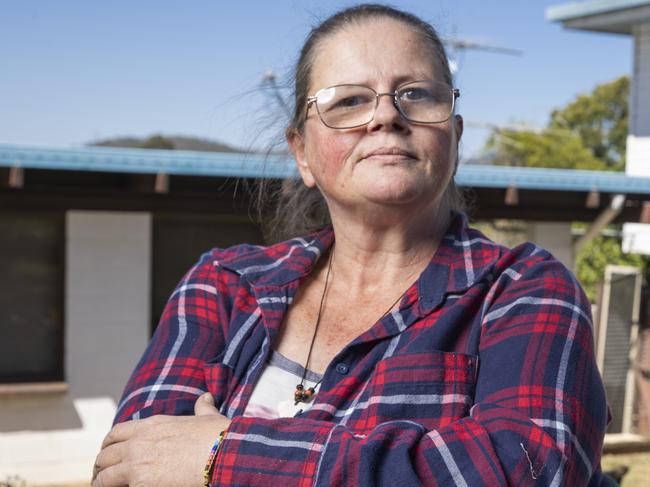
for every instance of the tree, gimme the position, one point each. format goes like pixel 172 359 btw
pixel 588 133
pixel 600 119
pixel 157 142
pixel 596 255
pixel 558 148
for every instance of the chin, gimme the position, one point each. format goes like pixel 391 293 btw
pixel 402 192
pixel 400 198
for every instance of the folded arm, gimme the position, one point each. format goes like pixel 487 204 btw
pixel 538 417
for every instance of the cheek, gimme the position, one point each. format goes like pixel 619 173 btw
pixel 441 151
pixel 329 153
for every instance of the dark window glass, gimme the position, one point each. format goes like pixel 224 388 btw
pixel 31 296
pixel 179 241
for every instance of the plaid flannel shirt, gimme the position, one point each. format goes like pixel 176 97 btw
pixel 485 375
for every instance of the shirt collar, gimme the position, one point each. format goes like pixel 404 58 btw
pixel 282 263
pixel 463 258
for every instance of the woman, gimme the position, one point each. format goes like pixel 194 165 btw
pixel 423 353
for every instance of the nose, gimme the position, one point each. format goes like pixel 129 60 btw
pixel 387 116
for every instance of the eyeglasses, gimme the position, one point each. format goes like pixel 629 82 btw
pixel 350 106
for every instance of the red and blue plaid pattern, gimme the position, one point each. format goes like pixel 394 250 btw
pixel 484 376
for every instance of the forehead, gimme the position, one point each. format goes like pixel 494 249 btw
pixel 374 52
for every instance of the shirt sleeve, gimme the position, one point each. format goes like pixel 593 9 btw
pixel 169 377
pixel 538 418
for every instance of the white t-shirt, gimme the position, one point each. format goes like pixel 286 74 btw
pixel 273 394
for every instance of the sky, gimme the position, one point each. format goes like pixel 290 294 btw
pixel 77 71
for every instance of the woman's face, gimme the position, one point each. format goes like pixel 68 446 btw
pixel 390 160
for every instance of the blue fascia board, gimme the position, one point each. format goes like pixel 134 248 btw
pixel 147 161
pixel 480 176
pixel 194 163
pixel 572 11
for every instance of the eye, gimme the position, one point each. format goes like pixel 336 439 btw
pixel 352 101
pixel 416 94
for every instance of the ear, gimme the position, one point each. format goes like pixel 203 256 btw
pixel 458 132
pixel 458 127
pixel 296 143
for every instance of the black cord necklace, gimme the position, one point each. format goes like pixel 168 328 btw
pixel 304 395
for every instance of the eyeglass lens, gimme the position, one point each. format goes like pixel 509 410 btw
pixel 348 106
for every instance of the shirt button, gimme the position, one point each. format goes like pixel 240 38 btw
pixel 342 368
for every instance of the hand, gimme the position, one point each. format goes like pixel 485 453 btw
pixel 160 451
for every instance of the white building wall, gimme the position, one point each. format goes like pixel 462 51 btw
pixel 554 237
pixel 107 308
pixel 638 141
pixel 108 301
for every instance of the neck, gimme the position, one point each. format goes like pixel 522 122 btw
pixel 382 253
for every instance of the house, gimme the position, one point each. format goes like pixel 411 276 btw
pixel 628 18
pixel 93 241
pixel 627 375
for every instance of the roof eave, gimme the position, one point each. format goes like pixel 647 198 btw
pixel 616 17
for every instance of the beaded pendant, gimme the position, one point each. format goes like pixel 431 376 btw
pixel 302 394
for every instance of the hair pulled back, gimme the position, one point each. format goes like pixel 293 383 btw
pixel 289 209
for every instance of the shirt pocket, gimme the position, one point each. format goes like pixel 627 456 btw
pixel 431 388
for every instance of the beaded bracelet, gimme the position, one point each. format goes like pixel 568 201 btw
pixel 209 466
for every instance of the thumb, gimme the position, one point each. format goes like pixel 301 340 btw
pixel 204 405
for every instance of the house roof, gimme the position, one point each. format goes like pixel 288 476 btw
pixel 543 194
pixel 146 161
pixel 194 163
pixel 614 16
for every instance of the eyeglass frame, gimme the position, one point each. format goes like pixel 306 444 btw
pixel 455 93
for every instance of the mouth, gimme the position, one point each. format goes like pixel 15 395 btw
pixel 389 154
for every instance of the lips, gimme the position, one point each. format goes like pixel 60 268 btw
pixel 388 152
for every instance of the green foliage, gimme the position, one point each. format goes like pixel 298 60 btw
pixel 177 142
pixel 157 142
pixel 13 481
pixel 600 119
pixel 596 255
pixel 558 148
pixel 588 133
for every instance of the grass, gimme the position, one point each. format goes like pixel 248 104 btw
pixel 638 463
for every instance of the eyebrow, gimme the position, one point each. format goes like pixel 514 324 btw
pixel 398 81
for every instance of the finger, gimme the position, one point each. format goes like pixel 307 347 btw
pixel 109 456
pixel 120 432
pixel 204 405
pixel 127 430
pixel 115 476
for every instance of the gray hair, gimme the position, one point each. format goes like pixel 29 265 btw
pixel 288 208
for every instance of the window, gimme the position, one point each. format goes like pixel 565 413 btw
pixel 31 296
pixel 179 241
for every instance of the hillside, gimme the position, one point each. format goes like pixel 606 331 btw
pixel 175 142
